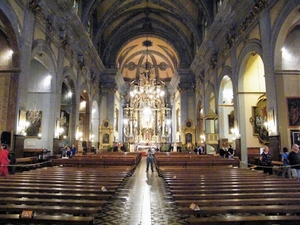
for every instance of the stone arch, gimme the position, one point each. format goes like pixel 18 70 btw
pixel 251 85
pixel 70 81
pixel 11 37
pixel 200 124
pixel 84 117
pixel 12 27
pixel 42 52
pixel 41 86
pixel 209 91
pixel 287 18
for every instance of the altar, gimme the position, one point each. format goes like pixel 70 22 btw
pixel 143 148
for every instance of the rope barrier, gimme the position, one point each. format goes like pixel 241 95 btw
pixel 245 163
pixel 250 164
pixel 28 165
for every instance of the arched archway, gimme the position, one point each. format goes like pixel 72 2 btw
pixel 65 131
pixel 251 88
pixel 95 123
pixel 9 67
pixel 211 122
pixel 40 86
pixel 83 129
pixel 226 109
pixel 200 124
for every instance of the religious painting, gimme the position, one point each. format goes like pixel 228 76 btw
pixel 177 120
pixel 231 122
pixel 34 119
pixel 260 119
pixel 105 139
pixel 64 124
pixel 295 137
pixel 188 138
pixel 22 118
pixel 293 106
pixel 117 120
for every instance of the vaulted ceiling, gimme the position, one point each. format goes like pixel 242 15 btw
pixel 173 27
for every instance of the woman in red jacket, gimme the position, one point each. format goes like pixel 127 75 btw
pixel 4 160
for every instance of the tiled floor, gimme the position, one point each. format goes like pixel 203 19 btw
pixel 143 200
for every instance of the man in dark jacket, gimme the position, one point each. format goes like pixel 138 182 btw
pixel 294 160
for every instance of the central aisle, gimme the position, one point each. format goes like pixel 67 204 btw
pixel 143 200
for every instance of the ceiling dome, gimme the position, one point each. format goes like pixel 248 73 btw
pixel 150 52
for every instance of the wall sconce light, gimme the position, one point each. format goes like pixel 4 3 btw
pixel 270 127
pixel 25 124
pixel 78 134
pixel 92 136
pixel 61 130
pixel 125 121
pixel 236 133
pixel 202 138
pixel 168 121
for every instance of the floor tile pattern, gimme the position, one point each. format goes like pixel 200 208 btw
pixel 143 199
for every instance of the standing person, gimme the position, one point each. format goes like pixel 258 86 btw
pixel 294 159
pixel 4 160
pixel 150 158
pixel 266 162
pixel 73 150
pixel 286 165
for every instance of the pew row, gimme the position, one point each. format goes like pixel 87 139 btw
pixel 227 195
pixel 101 160
pixel 245 220
pixel 59 195
pixel 185 160
pixel 47 219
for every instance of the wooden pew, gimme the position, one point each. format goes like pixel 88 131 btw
pixel 26 163
pixel 221 196
pixel 58 190
pixel 277 167
pixel 72 210
pixel 47 219
pixel 103 159
pixel 238 202
pixel 56 186
pixel 230 193
pixel 249 209
pixel 242 220
pixel 74 191
pixel 53 201
pixel 53 195
pixel 27 160
pixel 185 160
pixel 27 179
pixel 97 162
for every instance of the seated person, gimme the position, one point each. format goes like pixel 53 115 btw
pixel 230 152
pixel 68 152
pixel 222 153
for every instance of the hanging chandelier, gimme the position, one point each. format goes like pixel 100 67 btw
pixel 146 111
pixel 147 92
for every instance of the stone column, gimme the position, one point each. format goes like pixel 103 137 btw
pixel 25 55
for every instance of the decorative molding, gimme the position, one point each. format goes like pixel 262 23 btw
pixel 234 34
pixel 34 6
